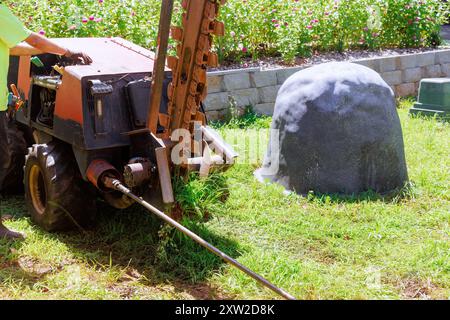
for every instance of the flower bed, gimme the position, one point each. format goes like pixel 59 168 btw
pixel 255 28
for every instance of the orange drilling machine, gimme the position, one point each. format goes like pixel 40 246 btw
pixel 121 124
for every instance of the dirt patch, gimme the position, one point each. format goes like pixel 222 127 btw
pixel 321 255
pixel 203 291
pixel 177 212
pixel 412 288
pixel 6 217
pixel 176 290
pixel 316 250
pixel 268 63
pixel 124 290
pixel 35 267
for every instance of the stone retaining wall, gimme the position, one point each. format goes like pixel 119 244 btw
pixel 258 88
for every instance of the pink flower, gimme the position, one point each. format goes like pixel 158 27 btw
pixel 84 20
pixel 72 27
pixel 244 49
pixel 98 20
pixel 100 1
pixel 42 32
pixel 277 25
pixel 309 27
pixel 91 18
pixel 232 33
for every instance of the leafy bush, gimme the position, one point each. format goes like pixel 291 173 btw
pixel 297 28
pixel 136 20
pixel 289 28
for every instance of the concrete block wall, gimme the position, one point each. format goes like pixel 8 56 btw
pixel 259 88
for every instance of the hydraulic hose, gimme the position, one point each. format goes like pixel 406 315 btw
pixel 117 185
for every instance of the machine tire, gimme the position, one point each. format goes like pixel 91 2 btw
pixel 57 198
pixel 118 200
pixel 17 144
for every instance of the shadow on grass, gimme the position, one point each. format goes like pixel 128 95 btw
pixel 10 270
pixel 444 119
pixel 135 239
pixel 394 196
pixel 242 119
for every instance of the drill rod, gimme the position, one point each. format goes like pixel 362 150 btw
pixel 117 185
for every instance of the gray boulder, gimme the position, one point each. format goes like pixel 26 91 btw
pixel 339 132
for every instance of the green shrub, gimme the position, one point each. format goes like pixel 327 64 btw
pixel 133 20
pixel 289 28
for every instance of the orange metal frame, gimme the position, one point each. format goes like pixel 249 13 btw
pixel 189 88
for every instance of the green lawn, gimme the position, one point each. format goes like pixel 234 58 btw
pixel 315 247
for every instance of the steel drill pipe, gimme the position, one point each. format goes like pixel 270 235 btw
pixel 117 185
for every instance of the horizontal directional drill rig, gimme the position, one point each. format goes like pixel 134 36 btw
pixel 121 124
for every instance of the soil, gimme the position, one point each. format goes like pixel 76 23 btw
pixel 317 58
pixel 415 289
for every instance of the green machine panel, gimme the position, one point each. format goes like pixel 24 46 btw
pixel 434 98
